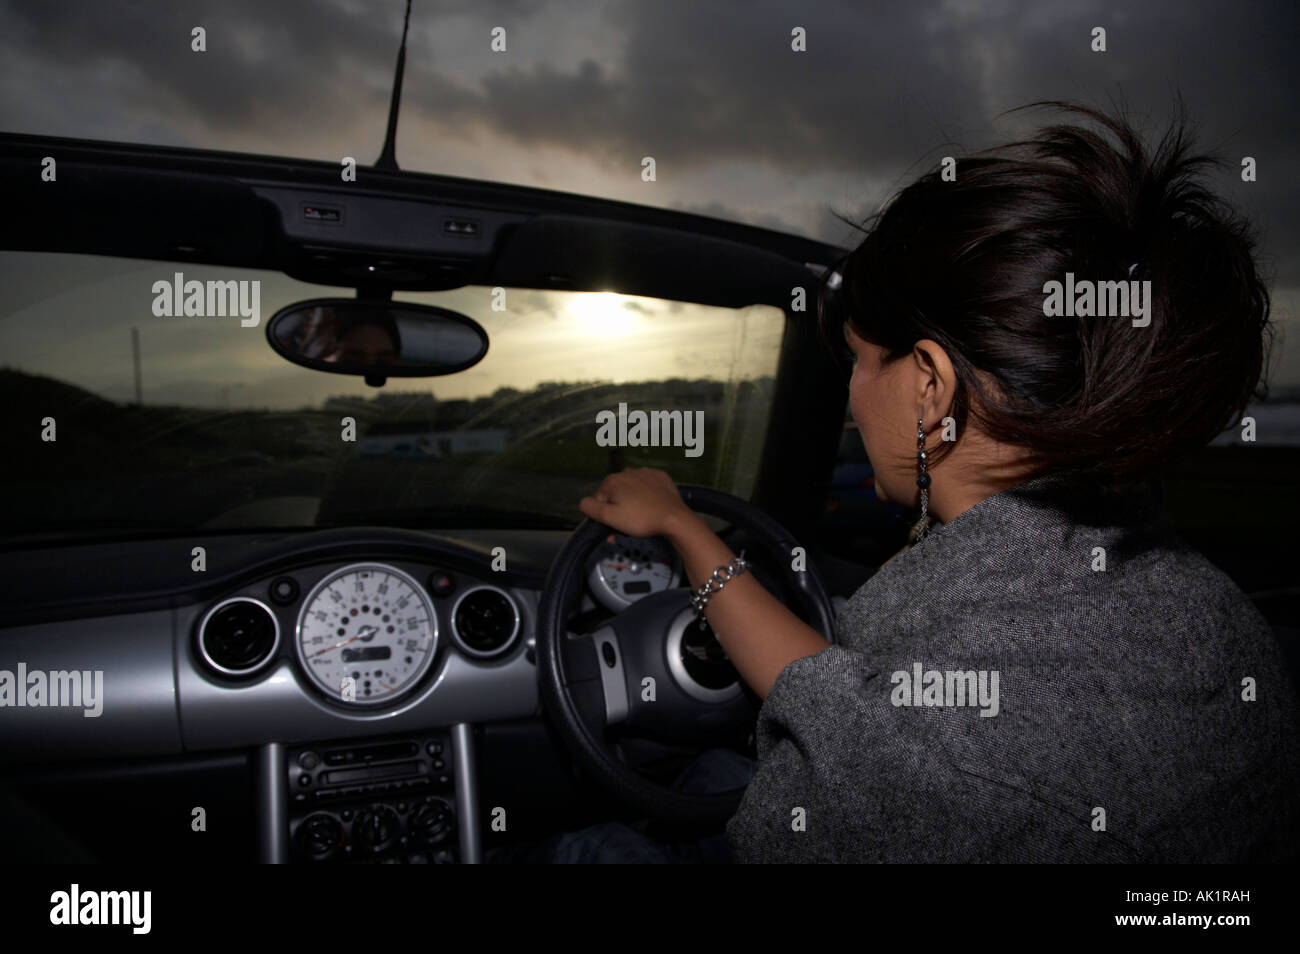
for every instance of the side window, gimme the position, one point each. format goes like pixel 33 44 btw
pixel 859 526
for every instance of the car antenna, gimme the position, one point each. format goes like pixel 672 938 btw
pixel 388 157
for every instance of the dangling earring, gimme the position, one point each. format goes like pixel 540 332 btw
pixel 922 481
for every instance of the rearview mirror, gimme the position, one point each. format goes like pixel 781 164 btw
pixel 376 338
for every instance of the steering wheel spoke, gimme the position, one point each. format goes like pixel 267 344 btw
pixel 668 689
pixel 613 675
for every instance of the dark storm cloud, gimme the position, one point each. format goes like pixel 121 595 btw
pixel 884 82
pixel 256 53
pixel 885 89
pixel 881 83
pixel 697 83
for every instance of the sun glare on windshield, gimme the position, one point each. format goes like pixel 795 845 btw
pixel 209 427
pixel 604 314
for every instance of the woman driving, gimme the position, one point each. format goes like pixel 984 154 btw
pixel 1047 673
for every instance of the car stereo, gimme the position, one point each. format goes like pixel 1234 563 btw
pixel 389 800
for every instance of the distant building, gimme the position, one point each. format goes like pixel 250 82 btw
pixel 434 445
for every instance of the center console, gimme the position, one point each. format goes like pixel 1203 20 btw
pixel 396 799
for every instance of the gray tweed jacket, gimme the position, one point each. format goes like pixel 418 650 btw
pixel 994 695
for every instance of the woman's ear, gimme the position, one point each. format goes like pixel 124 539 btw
pixel 934 379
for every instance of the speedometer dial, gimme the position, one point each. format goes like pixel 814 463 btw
pixel 367 634
pixel 628 568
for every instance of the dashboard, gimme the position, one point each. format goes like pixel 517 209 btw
pixel 351 663
pixel 340 648
pixel 262 662
pixel 320 634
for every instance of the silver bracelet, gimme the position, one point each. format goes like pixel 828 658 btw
pixel 700 598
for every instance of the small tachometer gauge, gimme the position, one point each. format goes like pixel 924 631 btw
pixel 628 568
pixel 367 634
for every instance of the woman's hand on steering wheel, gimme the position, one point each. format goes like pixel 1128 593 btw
pixel 592 683
pixel 642 502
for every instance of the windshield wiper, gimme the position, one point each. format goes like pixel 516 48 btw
pixel 430 518
pixel 115 533
pixel 460 518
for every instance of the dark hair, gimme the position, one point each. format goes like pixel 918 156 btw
pixel 964 263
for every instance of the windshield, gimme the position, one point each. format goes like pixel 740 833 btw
pixel 125 421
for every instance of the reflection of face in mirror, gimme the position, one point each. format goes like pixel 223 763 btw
pixel 370 336
pixel 366 343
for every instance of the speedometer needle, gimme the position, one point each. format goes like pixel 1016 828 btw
pixel 366 635
pixel 350 639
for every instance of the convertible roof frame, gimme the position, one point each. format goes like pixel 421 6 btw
pixel 221 208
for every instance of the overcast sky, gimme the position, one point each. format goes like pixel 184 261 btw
pixel 740 126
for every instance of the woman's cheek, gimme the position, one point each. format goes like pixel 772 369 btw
pixel 860 405
pixel 855 398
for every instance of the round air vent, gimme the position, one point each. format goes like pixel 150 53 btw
pixel 485 621
pixel 238 635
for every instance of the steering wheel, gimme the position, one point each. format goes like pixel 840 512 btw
pixel 596 682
